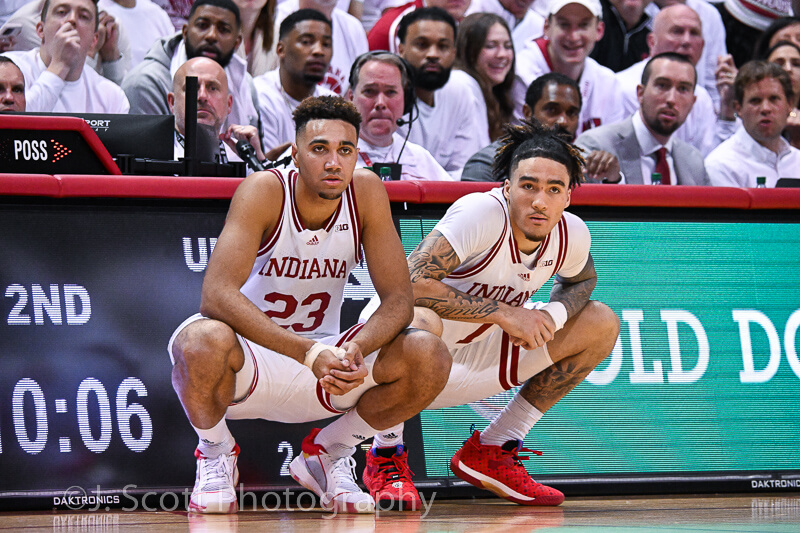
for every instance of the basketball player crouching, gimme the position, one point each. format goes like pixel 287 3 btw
pixel 473 277
pixel 267 342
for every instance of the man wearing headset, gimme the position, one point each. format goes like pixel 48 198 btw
pixel 381 89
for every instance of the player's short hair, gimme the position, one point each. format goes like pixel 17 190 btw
pixel 532 139
pixel 224 4
pixel 670 56
pixel 425 13
pixel 46 6
pixel 536 88
pixel 755 71
pixel 299 16
pixel 326 108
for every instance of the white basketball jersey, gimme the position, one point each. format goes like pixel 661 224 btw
pixel 479 229
pixel 299 275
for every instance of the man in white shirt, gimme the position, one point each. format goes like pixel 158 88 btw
pixel 762 92
pixel 571 30
pixel 445 118
pixel 678 29
pixel 379 88
pixel 55 77
pixel 110 57
pixel 304 50
pixel 12 87
pixel 644 143
pixel 213 106
pixel 214 31
pixel 713 35
pixel 349 38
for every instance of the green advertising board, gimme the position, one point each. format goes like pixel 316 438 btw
pixel 705 375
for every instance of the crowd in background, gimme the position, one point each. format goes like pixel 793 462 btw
pixel 682 91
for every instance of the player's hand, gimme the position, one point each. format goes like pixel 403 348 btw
pixel 603 166
pixel 530 328
pixel 340 377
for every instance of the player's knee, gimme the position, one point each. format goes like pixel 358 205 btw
pixel 427 351
pixel 607 321
pixel 205 344
pixel 428 320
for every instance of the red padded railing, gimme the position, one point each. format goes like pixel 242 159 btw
pixel 77 186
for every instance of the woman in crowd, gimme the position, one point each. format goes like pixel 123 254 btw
pixel 786 54
pixel 258 34
pixel 781 29
pixel 485 62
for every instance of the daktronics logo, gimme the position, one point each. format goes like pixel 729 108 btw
pixel 39 150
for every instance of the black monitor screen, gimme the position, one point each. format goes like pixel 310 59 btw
pixel 142 136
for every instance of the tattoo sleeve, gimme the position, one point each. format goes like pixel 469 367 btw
pixel 433 258
pixel 431 262
pixel 575 292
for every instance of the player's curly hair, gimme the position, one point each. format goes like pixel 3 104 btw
pixel 326 108
pixel 532 139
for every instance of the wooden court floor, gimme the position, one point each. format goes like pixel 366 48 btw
pixel 686 514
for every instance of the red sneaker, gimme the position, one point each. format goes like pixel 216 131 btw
pixel 388 478
pixel 499 469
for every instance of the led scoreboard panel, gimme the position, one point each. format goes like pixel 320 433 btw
pixel 700 392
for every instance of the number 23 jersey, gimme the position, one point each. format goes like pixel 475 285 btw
pixel 299 274
pixel 478 228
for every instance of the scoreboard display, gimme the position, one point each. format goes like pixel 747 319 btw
pixel 699 393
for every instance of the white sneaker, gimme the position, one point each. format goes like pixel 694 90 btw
pixel 333 480
pixel 214 487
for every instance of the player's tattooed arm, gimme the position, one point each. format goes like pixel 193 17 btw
pixel 432 260
pixel 575 292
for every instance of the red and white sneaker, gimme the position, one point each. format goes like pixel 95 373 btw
pixel 333 480
pixel 214 486
pixel 499 470
pixel 388 478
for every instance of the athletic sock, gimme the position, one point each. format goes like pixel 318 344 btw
pixel 391 437
pixel 340 437
pixel 216 440
pixel 513 423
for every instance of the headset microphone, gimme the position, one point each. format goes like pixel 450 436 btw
pixel 400 122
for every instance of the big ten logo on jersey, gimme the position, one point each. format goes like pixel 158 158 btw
pixel 65 304
pixel 197 258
